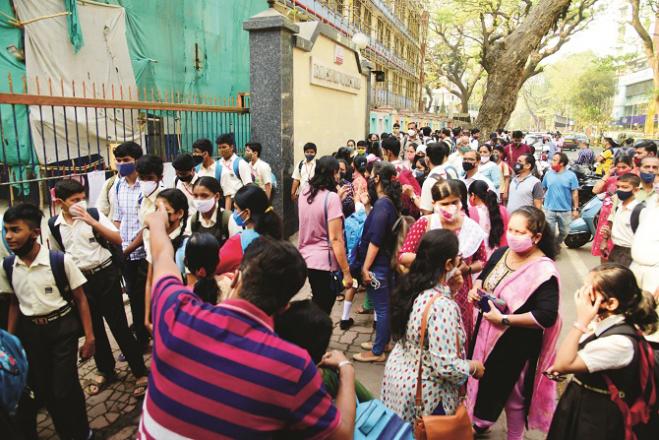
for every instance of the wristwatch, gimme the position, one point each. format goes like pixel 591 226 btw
pixel 505 321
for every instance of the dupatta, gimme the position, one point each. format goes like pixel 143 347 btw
pixel 516 289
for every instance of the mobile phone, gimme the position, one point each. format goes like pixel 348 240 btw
pixel 484 304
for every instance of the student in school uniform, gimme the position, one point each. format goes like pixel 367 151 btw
pixel 210 215
pixel 47 295
pixel 234 175
pixel 128 198
pixel 86 239
pixel 305 170
pixel 202 154
pixel 186 177
pixel 149 171
pixel 261 170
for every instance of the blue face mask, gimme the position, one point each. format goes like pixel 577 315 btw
pixel 126 169
pixel 647 177
pixel 238 219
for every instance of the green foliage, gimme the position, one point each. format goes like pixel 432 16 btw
pixel 594 95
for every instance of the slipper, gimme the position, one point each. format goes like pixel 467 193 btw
pixel 368 356
pixel 369 346
pixel 140 386
pixel 98 383
pixel 363 311
pixel 340 297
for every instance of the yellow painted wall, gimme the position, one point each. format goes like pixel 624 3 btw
pixel 325 116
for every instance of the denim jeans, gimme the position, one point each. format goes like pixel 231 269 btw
pixel 380 301
pixel 560 220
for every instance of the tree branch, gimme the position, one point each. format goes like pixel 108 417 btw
pixel 640 30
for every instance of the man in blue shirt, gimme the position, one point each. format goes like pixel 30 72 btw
pixel 561 197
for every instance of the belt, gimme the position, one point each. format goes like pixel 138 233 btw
pixel 104 265
pixel 54 316
pixel 591 388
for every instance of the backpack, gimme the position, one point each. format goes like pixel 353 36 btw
pixel 13 371
pixel 218 169
pixel 179 244
pixel 354 226
pixel 4 239
pixel 57 267
pixel 643 415
pixel 373 420
pixel 116 251
pixel 636 216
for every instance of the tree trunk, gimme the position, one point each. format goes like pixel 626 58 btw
pixel 507 63
pixel 464 104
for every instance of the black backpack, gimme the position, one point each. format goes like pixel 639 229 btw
pixel 56 265
pixel 636 216
pixel 115 250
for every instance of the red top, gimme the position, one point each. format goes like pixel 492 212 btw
pixel 511 153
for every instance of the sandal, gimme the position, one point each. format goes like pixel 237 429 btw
pixel 140 386
pixel 340 297
pixel 368 356
pixel 98 383
pixel 363 311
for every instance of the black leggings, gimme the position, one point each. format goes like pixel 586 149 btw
pixel 320 288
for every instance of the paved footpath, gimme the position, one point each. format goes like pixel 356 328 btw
pixel 114 413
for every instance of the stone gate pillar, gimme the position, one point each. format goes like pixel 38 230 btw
pixel 271 44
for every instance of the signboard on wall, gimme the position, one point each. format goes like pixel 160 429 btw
pixel 323 75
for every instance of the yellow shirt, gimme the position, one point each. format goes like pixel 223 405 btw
pixel 604 166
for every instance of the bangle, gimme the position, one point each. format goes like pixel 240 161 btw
pixel 579 326
pixel 343 364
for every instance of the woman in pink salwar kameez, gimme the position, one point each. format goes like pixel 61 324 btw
pixel 517 344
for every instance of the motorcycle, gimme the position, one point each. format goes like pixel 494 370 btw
pixel 587 181
pixel 582 230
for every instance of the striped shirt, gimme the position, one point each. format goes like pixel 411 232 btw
pixel 222 372
pixel 127 213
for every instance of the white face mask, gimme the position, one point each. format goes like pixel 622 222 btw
pixel 82 205
pixel 148 187
pixel 411 133
pixel 485 158
pixel 204 206
pixel 451 273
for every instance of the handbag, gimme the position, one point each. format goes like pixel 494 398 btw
pixel 430 427
pixel 336 277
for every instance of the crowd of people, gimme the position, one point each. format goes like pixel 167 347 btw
pixel 451 239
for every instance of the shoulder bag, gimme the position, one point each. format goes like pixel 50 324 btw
pixel 430 427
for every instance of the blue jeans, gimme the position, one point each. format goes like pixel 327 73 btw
pixel 560 220
pixel 380 301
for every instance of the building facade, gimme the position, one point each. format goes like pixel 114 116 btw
pixel 396 30
pixel 632 98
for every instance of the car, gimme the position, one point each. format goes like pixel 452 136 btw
pixel 571 141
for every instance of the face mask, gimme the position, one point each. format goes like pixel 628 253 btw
pixel 238 219
pixel 248 157
pixel 519 243
pixel 450 212
pixel 148 187
pixel 517 168
pixel 126 169
pixel 342 176
pixel 467 166
pixel 495 157
pixel 204 206
pixel 451 273
pixel 410 156
pixel 464 149
pixel 647 177
pixel 82 205
pixel 361 151
pixel 309 157
pixel 637 161
pixel 186 179
pixel 197 159
pixel 485 158
pixel 26 248
pixel 556 168
pixel 624 195
pixel 417 173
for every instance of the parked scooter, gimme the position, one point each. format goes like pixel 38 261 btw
pixel 587 180
pixel 582 230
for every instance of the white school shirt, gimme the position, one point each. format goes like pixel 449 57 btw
pixel 304 173
pixel 79 241
pixel 208 172
pixel 262 173
pixel 607 353
pixel 229 182
pixel 187 190
pixel 35 286
pixel 621 229
pixel 435 175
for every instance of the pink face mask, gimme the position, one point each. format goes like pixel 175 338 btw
pixel 450 212
pixel 519 243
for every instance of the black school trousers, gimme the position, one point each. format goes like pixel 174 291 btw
pixel 52 354
pixel 135 277
pixel 103 291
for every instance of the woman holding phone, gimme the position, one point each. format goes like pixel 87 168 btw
pixel 517 344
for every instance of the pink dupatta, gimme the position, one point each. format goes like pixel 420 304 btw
pixel 515 290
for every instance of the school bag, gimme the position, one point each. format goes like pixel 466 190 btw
pixel 635 216
pixel 56 265
pixel 642 417
pixel 354 225
pixel 4 239
pixel 373 420
pixel 13 371
pixel 218 169
pixel 115 250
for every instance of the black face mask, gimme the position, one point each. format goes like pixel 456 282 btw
pixel 186 179
pixel 467 166
pixel 26 248
pixel 197 159
pixel 517 168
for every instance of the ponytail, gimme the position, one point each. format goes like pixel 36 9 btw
pixel 265 219
pixel 202 252
pixel 480 189
pixel 643 313
pixel 206 288
pixel 268 223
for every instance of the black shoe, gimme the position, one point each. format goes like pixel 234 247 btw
pixel 375 324
pixel 345 324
